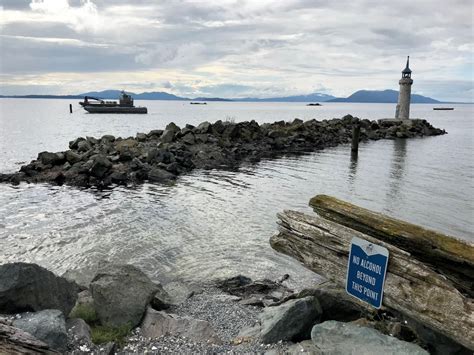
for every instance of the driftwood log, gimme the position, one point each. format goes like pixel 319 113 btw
pixel 452 257
pixel 411 287
pixel 16 341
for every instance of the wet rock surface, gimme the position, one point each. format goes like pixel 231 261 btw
pixel 161 156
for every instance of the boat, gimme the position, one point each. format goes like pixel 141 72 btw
pixel 315 104
pixel 443 108
pixel 125 105
pixel 198 103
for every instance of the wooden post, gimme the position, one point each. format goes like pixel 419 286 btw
pixel 355 138
pixel 70 108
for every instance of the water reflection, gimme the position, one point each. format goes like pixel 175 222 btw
pixel 353 169
pixel 397 172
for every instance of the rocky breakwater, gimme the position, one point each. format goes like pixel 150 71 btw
pixel 161 155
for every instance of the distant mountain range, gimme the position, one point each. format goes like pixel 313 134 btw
pixel 385 96
pixel 364 96
pixel 300 98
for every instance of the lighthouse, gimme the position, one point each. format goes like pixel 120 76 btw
pixel 403 107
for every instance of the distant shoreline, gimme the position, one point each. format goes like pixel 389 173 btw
pixel 79 97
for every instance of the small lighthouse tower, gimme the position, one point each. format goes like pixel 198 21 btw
pixel 403 106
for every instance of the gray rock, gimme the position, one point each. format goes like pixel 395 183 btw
pixel 121 294
pixel 155 132
pixel 178 291
pixel 29 287
pixel 161 300
pixel 202 138
pixel 335 338
pixel 289 321
pixel 188 138
pixel 335 303
pixel 108 138
pixel 48 158
pixel 79 331
pixel 48 325
pixel 203 128
pixel 100 166
pixel 167 136
pixel 92 140
pixel 157 324
pixel 72 157
pixel 73 144
pixel 83 146
pixel 172 127
pixel 160 175
pixel 108 349
pixel 141 137
pixel 155 155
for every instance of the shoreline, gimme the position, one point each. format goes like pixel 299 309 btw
pixel 234 315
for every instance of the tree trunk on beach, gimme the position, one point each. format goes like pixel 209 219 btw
pixel 451 257
pixel 411 287
pixel 17 341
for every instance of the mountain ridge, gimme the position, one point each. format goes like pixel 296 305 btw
pixel 383 96
pixel 360 96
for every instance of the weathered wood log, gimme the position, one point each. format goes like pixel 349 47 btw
pixel 452 257
pixel 16 341
pixel 411 287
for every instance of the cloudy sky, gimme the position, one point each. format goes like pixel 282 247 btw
pixel 236 48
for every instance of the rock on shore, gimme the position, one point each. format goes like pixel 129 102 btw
pixel 161 155
pixel 30 287
pixel 212 319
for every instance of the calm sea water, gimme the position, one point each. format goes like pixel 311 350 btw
pixel 217 223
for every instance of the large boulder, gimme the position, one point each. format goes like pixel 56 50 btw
pixel 72 157
pixel 335 303
pixel 48 158
pixel 169 133
pixel 48 325
pixel 289 321
pixel 121 294
pixel 157 324
pixel 100 166
pixel 30 287
pixel 160 175
pixel 336 338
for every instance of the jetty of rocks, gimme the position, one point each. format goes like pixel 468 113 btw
pixel 161 155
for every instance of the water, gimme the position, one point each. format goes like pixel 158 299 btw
pixel 217 223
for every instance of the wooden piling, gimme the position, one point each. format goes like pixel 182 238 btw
pixel 355 138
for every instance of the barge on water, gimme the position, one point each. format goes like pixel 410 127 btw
pixel 125 105
pixel 443 108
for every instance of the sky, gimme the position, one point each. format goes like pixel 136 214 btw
pixel 233 48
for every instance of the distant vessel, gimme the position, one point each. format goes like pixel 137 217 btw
pixel 198 103
pixel 443 108
pixel 125 105
pixel 314 104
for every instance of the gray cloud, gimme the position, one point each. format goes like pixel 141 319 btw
pixel 226 48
